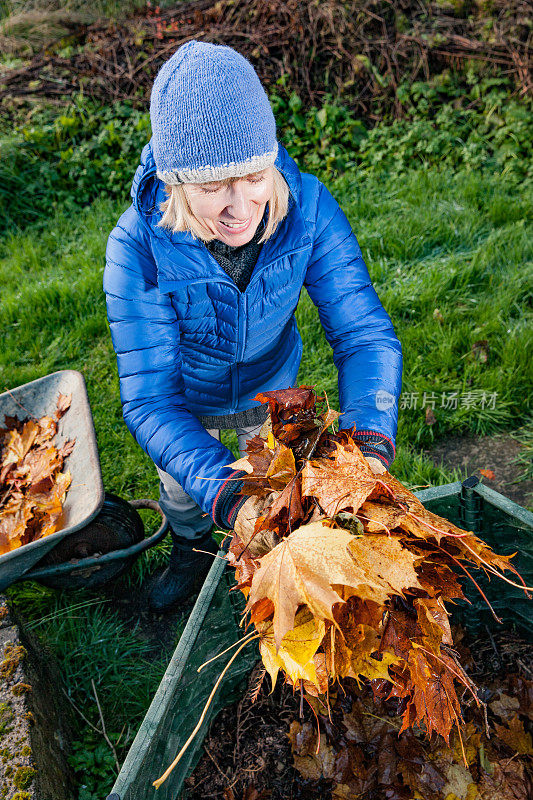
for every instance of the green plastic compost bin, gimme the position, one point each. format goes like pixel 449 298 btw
pixel 213 625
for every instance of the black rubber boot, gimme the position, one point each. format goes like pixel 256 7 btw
pixel 185 573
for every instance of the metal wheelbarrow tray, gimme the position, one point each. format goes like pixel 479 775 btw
pixel 86 494
pixel 213 625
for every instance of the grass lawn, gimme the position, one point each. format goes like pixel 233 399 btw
pixel 450 256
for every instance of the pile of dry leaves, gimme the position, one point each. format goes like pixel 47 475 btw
pixel 362 755
pixel 347 575
pixel 32 485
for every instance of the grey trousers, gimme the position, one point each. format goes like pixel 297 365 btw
pixel 186 518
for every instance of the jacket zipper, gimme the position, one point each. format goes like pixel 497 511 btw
pixel 239 352
pixel 255 275
pixel 241 302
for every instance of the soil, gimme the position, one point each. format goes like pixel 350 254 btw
pixel 247 753
pixel 498 453
pixel 247 750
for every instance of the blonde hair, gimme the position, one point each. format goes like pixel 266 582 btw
pixel 177 214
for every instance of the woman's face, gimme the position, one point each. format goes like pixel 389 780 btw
pixel 231 211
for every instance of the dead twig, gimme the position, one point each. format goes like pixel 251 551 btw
pixel 103 731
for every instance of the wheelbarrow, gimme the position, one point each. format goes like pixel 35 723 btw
pixel 101 534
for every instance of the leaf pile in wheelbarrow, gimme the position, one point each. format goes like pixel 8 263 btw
pixel 347 575
pixel 32 485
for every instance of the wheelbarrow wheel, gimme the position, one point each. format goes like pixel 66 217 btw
pixel 117 527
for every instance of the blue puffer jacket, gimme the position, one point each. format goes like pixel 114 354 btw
pixel 189 343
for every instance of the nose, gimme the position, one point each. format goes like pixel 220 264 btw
pixel 239 205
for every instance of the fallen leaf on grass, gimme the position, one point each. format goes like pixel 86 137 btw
pixel 487 473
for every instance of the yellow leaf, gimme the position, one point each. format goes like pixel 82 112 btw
pixel 242 464
pixel 295 655
pixel 362 661
pixel 282 468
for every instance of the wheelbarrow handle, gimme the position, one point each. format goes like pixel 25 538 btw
pixel 163 529
pixel 115 555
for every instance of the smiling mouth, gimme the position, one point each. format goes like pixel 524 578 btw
pixel 235 227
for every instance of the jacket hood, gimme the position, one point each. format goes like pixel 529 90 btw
pixel 147 190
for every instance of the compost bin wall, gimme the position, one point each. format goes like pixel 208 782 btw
pixel 35 727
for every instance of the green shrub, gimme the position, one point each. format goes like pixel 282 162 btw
pixel 483 130
pixel 67 160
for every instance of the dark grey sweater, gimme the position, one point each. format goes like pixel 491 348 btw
pixel 238 262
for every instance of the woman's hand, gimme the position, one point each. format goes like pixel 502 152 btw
pixel 248 513
pixel 377 466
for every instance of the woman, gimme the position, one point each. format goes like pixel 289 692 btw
pixel 204 272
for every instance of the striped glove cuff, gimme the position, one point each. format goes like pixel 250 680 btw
pixel 228 501
pixel 377 445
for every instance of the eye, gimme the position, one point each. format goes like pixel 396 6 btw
pixel 211 191
pixel 257 179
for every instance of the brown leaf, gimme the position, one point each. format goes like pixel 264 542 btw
pixel 379 518
pixel 430 416
pixel 50 504
pixel 286 510
pixel 522 689
pixel 364 728
pixel 13 525
pixel 434 623
pixel 434 701
pixel 67 448
pixel 343 482
pixel 39 467
pixel 515 737
pixel 509 781
pixel 292 412
pixel 437 578
pixel 245 523
pixel 480 351
pixel 259 455
pixel 47 430
pixel 63 404
pixel 18 444
pixel 310 764
pixel 505 706
pixel 300 571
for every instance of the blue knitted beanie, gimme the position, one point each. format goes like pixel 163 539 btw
pixel 211 118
